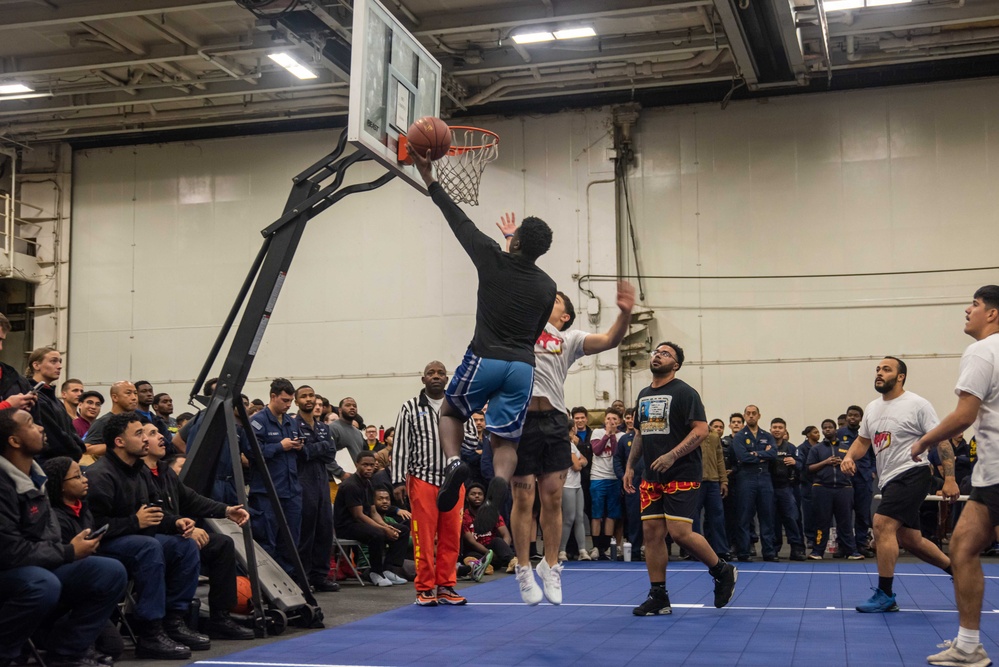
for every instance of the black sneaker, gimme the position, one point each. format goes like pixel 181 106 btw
pixel 657 604
pixel 177 630
pixel 488 513
pixel 455 474
pixel 725 585
pixel 154 644
pixel 325 586
pixel 101 658
pixel 67 661
pixel 223 626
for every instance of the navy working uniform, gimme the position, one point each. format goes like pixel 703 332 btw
pixel 805 479
pixel 283 467
pixel 785 481
pixel 832 494
pixel 863 487
pixel 316 537
pixel 754 491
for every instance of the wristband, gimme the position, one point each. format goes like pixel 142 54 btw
pixel 508 236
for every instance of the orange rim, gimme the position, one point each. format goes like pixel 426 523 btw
pixel 458 150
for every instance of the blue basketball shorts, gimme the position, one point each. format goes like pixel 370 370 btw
pixel 505 385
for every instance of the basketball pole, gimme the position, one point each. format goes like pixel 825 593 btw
pixel 307 199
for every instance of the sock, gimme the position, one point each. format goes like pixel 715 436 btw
pixel 534 549
pixel 658 589
pixel 967 640
pixel 885 583
pixel 949 571
pixel 452 458
pixel 716 570
pixel 604 543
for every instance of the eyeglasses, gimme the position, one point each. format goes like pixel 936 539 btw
pixel 78 475
pixel 663 353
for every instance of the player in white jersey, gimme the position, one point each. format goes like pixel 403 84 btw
pixel 544 454
pixel 891 424
pixel 977 406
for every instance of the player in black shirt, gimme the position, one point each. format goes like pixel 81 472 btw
pixel 515 299
pixel 669 427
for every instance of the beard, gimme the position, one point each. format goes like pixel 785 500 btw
pixel 663 369
pixel 886 386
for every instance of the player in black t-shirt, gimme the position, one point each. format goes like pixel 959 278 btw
pixel 669 427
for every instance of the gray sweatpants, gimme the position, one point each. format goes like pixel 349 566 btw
pixel 573 517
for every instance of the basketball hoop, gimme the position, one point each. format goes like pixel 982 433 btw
pixel 460 171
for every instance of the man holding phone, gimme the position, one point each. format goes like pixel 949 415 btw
pixel 150 541
pixel 280 442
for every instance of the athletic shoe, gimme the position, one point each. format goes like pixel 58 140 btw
pixel 814 556
pixel 657 604
pixel 551 579
pixel 604 556
pixel 855 556
pixel 455 474
pixel 447 595
pixel 725 585
pixel 488 513
pixel 952 656
pixel 530 592
pixel 878 603
pixel 773 558
pixel 594 553
pixel 798 554
pixel 479 569
pixel 512 566
pixel 867 552
pixel 394 578
pixel 563 556
pixel 426 598
pixel 378 580
pixel 584 555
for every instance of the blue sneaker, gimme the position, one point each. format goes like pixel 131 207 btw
pixel 878 603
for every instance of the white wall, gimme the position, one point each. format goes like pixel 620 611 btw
pixel 882 180
pixel 163 236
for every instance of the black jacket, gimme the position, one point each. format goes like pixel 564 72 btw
pixel 60 435
pixel 29 531
pixel 70 524
pixel 118 490
pixel 182 500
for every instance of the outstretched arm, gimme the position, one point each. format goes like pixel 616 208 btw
pixel 596 343
pixel 507 226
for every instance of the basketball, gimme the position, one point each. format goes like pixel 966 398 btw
pixel 429 134
pixel 244 597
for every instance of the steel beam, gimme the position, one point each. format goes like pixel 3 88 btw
pixel 99 10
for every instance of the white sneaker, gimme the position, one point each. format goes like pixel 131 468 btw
pixel 378 580
pixel 563 556
pixel 953 656
pixel 551 579
pixel 584 555
pixel 594 553
pixel 394 578
pixel 530 592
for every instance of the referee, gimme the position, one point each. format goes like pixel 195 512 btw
pixel 418 462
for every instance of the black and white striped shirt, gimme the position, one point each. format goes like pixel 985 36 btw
pixel 416 449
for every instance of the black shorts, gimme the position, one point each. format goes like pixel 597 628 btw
pixel 673 501
pixel 988 496
pixel 544 445
pixel 902 496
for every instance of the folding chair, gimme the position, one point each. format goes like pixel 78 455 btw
pixel 349 544
pixel 34 652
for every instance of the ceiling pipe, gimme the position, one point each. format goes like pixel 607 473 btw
pixel 940 39
pixel 706 21
pixel 631 70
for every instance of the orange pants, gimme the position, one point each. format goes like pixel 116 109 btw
pixel 428 524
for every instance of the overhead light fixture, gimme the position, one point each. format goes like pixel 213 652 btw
pixel 533 37
pixel 14 89
pixel 841 5
pixel 575 33
pixel 881 3
pixel 293 66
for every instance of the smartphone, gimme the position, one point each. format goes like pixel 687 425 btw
pixel 38 385
pixel 155 503
pixel 94 534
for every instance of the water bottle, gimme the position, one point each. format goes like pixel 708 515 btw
pixel 627 552
pixel 613 549
pixel 832 546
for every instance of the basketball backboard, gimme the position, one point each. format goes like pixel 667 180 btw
pixel 393 81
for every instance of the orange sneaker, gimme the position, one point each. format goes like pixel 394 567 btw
pixel 447 595
pixel 426 598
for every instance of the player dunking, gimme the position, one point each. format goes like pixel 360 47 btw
pixel 669 427
pixel 892 423
pixel 514 302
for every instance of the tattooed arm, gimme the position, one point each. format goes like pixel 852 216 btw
pixel 950 490
pixel 689 444
pixel 629 471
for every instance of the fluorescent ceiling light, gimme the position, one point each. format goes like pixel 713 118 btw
pixel 575 33
pixel 14 88
pixel 533 37
pixel 293 66
pixel 841 5
pixel 880 3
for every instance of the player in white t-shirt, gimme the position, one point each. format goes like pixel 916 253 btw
pixel 892 423
pixel 543 455
pixel 978 407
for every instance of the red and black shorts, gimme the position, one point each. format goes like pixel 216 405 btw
pixel 673 501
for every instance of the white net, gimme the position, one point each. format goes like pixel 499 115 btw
pixel 460 171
